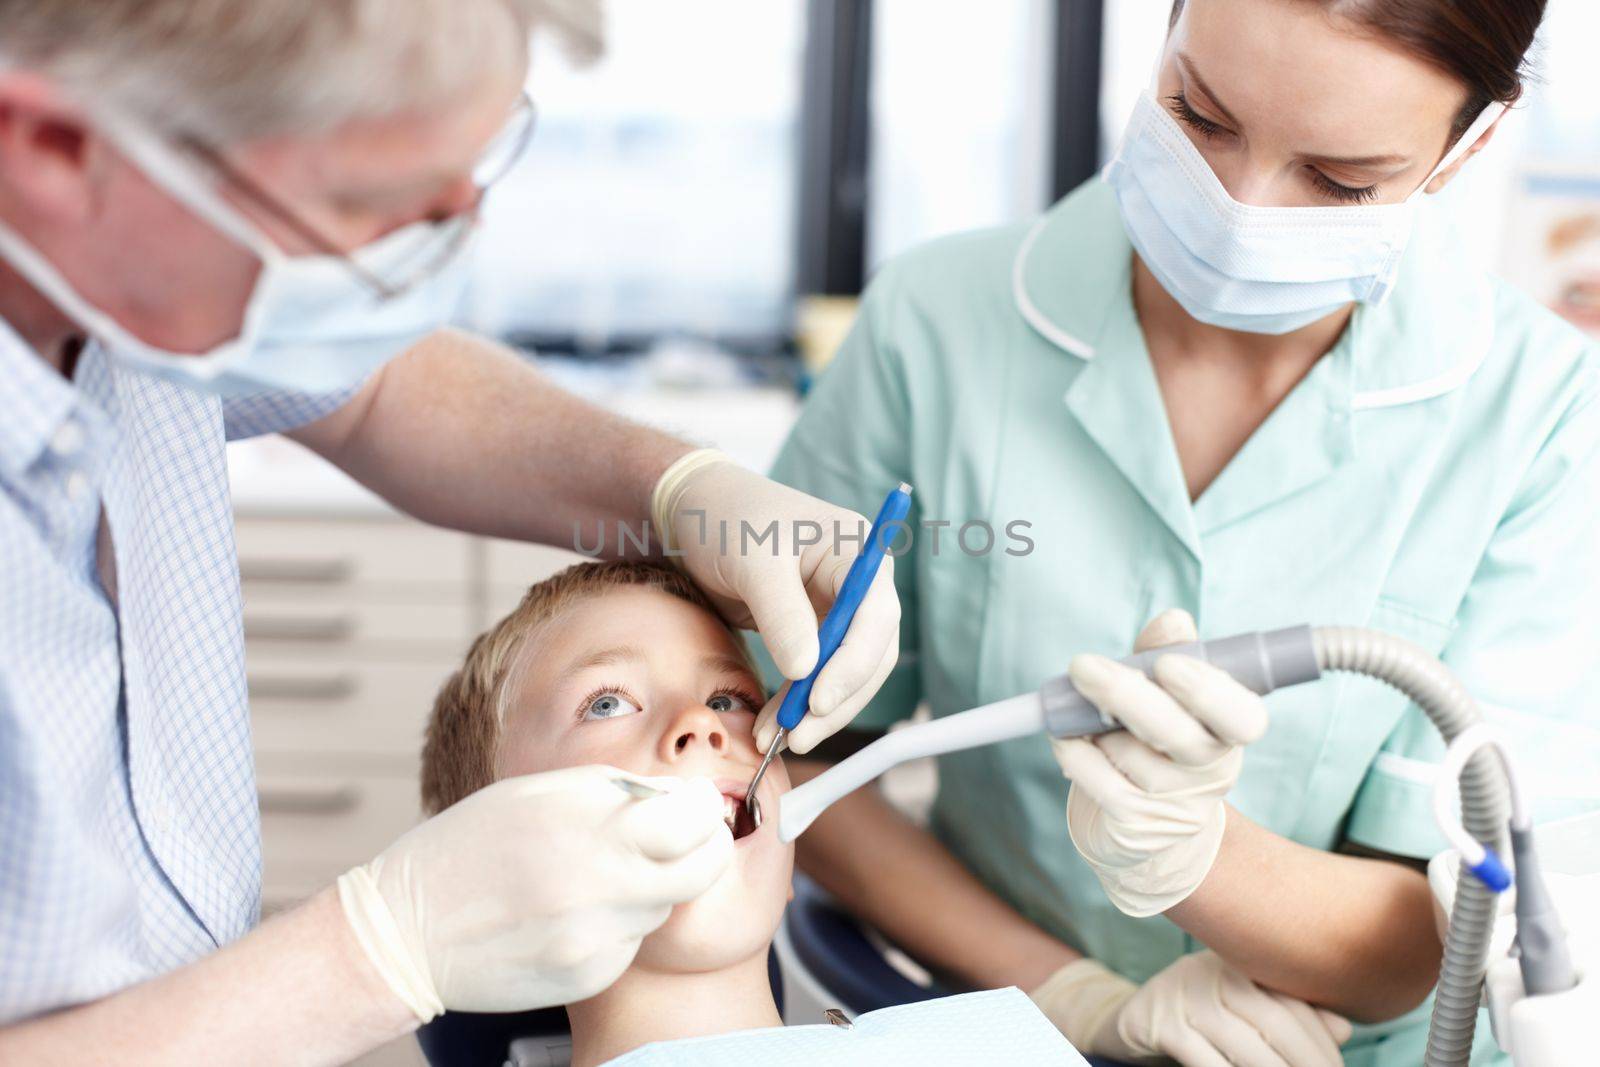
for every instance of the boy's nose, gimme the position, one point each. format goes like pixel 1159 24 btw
pixel 693 726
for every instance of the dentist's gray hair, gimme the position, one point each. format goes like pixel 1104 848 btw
pixel 231 70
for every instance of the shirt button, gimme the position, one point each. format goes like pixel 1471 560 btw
pixel 67 439
pixel 77 485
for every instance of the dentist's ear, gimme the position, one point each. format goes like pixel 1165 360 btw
pixel 1443 178
pixel 51 158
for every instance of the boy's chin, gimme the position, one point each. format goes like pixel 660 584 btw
pixel 726 925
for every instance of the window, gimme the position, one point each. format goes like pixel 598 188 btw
pixel 960 118
pixel 657 197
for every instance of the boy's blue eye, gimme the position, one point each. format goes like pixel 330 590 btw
pixel 609 706
pixel 728 702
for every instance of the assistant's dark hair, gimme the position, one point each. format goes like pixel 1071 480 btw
pixel 1483 44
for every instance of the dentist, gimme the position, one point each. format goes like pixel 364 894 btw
pixel 220 218
pixel 1246 378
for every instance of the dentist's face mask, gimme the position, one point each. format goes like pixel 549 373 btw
pixel 1257 269
pixel 312 323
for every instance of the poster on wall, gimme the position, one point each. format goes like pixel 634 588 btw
pixel 1553 240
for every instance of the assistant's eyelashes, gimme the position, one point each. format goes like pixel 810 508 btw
pixel 1348 194
pixel 1186 114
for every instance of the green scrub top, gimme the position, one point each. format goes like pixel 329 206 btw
pixel 1433 476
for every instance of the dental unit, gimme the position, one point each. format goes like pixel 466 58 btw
pixel 1266 661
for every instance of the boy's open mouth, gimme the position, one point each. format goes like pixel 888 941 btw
pixel 740 822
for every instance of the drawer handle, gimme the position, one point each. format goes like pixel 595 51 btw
pixel 277 569
pixel 298 627
pixel 284 798
pixel 301 687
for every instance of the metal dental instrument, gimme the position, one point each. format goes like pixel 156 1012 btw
pixel 834 626
pixel 636 789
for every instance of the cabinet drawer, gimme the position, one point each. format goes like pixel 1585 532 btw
pixel 323 553
pixel 315 825
pixel 294 622
pixel 336 705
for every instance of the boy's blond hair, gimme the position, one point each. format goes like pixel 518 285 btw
pixel 458 757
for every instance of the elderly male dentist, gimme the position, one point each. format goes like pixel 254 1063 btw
pixel 221 218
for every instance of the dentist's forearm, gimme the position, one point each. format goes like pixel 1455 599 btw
pixel 461 432
pixel 1350 934
pixel 297 989
pixel 906 884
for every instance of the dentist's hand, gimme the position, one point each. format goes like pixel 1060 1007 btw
pixel 1146 804
pixel 1198 1012
pixel 781 588
pixel 533 892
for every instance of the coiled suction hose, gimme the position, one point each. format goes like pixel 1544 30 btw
pixel 1485 809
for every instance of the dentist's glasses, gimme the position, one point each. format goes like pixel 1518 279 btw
pixel 435 246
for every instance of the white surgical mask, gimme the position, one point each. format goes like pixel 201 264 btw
pixel 1257 269
pixel 310 324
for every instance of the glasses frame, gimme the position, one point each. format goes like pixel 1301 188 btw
pixel 512 141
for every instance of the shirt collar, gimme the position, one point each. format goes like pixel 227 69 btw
pixel 1426 340
pixel 34 401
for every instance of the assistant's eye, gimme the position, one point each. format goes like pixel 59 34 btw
pixel 1190 117
pixel 1345 194
pixel 607 704
pixel 732 700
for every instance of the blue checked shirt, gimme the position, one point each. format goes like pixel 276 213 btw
pixel 130 839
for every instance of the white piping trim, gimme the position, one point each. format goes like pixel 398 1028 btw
pixel 1439 384
pixel 1029 311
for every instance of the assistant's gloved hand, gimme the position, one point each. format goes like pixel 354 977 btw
pixel 1199 1012
pixel 781 589
pixel 533 892
pixel 1146 804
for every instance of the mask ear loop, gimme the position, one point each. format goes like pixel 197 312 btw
pixel 1486 118
pixel 163 165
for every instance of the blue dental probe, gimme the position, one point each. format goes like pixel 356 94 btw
pixel 834 626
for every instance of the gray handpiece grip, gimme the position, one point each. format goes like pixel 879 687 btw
pixel 1261 661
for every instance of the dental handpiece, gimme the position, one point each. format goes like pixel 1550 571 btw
pixel 1260 661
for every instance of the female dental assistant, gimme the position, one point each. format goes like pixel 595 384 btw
pixel 1246 373
pixel 222 219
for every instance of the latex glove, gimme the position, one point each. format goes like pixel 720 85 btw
pixel 1146 804
pixel 782 588
pixel 1199 1012
pixel 533 892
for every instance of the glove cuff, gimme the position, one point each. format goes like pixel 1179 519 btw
pixel 1164 878
pixel 664 498
pixel 379 935
pixel 1081 998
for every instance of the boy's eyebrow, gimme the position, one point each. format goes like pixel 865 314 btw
pixel 605 657
pixel 727 664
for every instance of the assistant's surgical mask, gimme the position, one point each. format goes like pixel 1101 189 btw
pixel 1263 270
pixel 310 323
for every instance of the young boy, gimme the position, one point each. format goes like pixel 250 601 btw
pixel 627 665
